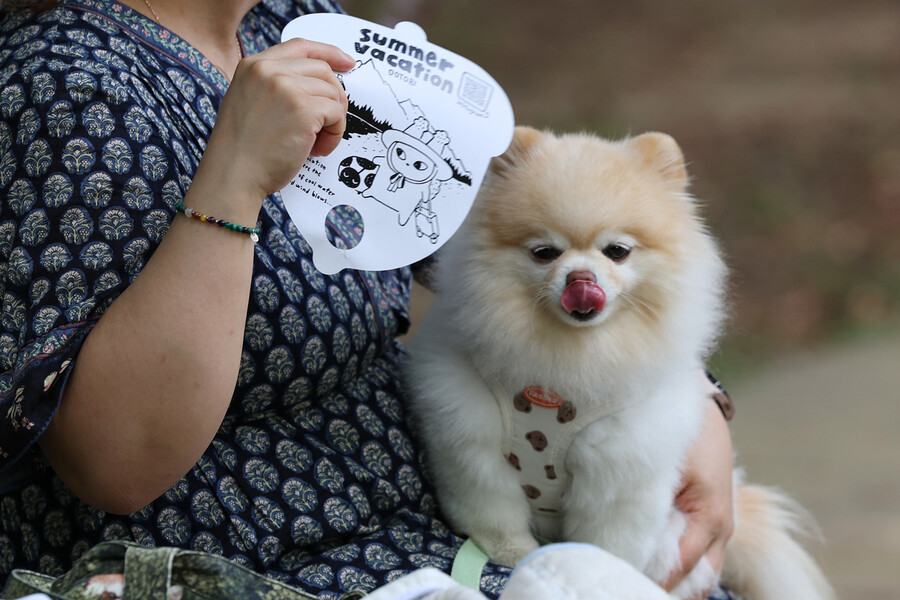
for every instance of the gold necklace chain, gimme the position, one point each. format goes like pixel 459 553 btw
pixel 152 12
pixel 156 18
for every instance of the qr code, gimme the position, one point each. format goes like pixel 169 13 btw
pixel 475 92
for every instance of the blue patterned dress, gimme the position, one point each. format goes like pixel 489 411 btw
pixel 312 477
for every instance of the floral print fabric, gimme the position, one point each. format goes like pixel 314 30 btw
pixel 312 477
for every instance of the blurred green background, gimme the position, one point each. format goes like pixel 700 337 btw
pixel 788 113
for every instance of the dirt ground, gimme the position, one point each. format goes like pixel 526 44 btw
pixel 823 426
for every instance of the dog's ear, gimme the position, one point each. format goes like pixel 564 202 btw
pixel 662 154
pixel 523 139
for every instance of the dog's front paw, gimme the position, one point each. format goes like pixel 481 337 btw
pixel 506 549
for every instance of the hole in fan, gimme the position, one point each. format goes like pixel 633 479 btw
pixel 344 227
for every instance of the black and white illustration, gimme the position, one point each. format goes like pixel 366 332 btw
pixel 412 163
pixel 422 126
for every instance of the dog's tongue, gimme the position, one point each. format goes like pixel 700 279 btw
pixel 583 297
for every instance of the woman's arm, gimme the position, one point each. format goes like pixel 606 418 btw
pixel 155 376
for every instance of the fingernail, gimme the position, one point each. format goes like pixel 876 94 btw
pixel 347 56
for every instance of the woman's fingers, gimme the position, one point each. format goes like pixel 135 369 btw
pixel 284 104
pixel 296 48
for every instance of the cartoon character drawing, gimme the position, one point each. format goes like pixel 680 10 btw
pixel 407 177
pixel 355 170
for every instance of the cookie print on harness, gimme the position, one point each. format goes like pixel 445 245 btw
pixel 538 427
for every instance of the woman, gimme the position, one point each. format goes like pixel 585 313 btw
pixel 231 398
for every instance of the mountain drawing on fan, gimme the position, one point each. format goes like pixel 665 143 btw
pixel 422 126
pixel 398 159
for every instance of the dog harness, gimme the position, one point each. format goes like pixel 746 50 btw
pixel 538 428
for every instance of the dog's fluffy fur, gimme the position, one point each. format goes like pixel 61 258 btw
pixel 552 206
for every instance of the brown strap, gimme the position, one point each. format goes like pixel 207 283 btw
pixel 721 397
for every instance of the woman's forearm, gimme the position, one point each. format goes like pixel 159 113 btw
pixel 155 376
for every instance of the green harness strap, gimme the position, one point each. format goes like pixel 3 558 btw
pixel 468 565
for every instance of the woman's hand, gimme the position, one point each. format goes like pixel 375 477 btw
pixel 705 496
pixel 283 105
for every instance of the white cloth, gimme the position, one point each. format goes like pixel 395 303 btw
pixel 569 571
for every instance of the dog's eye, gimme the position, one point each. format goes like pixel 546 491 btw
pixel 617 252
pixel 545 254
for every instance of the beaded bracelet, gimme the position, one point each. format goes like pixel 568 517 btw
pixel 189 212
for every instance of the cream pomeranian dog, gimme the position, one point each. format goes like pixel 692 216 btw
pixel 556 379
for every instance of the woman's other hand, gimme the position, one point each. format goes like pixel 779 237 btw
pixel 705 496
